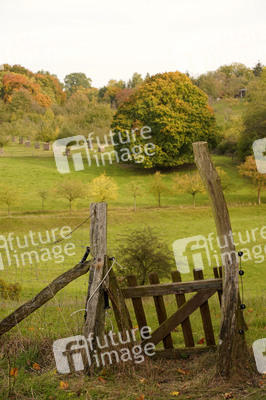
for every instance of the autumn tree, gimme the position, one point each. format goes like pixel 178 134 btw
pixel 249 169
pixel 191 184
pixel 104 188
pixel 47 130
pixel 136 190
pixel 75 81
pixel 226 182
pixel 143 252
pixel 177 113
pixel 13 82
pixel 71 190
pixel 158 187
pixel 9 196
pixel 135 81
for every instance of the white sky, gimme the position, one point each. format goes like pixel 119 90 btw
pixel 113 39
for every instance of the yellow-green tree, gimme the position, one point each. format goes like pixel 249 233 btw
pixel 9 196
pixel 104 188
pixel 249 169
pixel 136 190
pixel 71 190
pixel 192 184
pixel 226 183
pixel 158 187
pixel 177 113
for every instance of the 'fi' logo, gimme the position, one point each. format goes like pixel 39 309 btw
pixel 60 146
pixel 71 354
pixel 191 252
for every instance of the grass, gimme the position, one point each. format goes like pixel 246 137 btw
pixel 31 341
pixel 226 108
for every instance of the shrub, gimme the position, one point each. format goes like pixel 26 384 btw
pixel 9 290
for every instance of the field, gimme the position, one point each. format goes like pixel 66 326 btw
pixel 29 343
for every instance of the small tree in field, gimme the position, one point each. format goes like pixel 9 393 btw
pixel 157 186
pixel 9 196
pixel 136 190
pixel 191 184
pixel 71 190
pixel 142 252
pixel 226 183
pixel 43 195
pixel 104 188
pixel 249 169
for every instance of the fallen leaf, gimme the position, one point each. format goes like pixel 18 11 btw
pixel 143 380
pixel 31 328
pixel 101 379
pixel 201 341
pixel 141 397
pixel 174 393
pixel 250 309
pixel 229 395
pixel 182 371
pixel 14 372
pixel 63 385
pixel 36 366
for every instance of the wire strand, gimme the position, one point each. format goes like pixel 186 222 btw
pixel 60 240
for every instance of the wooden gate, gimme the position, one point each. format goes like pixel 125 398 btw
pixel 203 288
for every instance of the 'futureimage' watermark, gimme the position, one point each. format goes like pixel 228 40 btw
pixel 79 143
pixel 192 251
pixel 76 352
pixel 23 250
pixel 259 149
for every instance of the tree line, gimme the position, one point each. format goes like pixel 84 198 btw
pixel 175 106
pixel 105 188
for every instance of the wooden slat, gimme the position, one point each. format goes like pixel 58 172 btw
pixel 186 325
pixel 161 311
pixel 137 303
pixel 121 312
pixel 179 316
pixel 174 354
pixel 205 314
pixel 162 289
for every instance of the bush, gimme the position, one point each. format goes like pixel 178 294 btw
pixel 143 252
pixel 9 290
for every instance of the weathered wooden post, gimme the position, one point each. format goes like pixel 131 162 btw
pixel 232 351
pixel 95 313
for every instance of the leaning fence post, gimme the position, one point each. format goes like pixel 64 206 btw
pixel 95 313
pixel 232 346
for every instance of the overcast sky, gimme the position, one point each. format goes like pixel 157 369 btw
pixel 113 39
